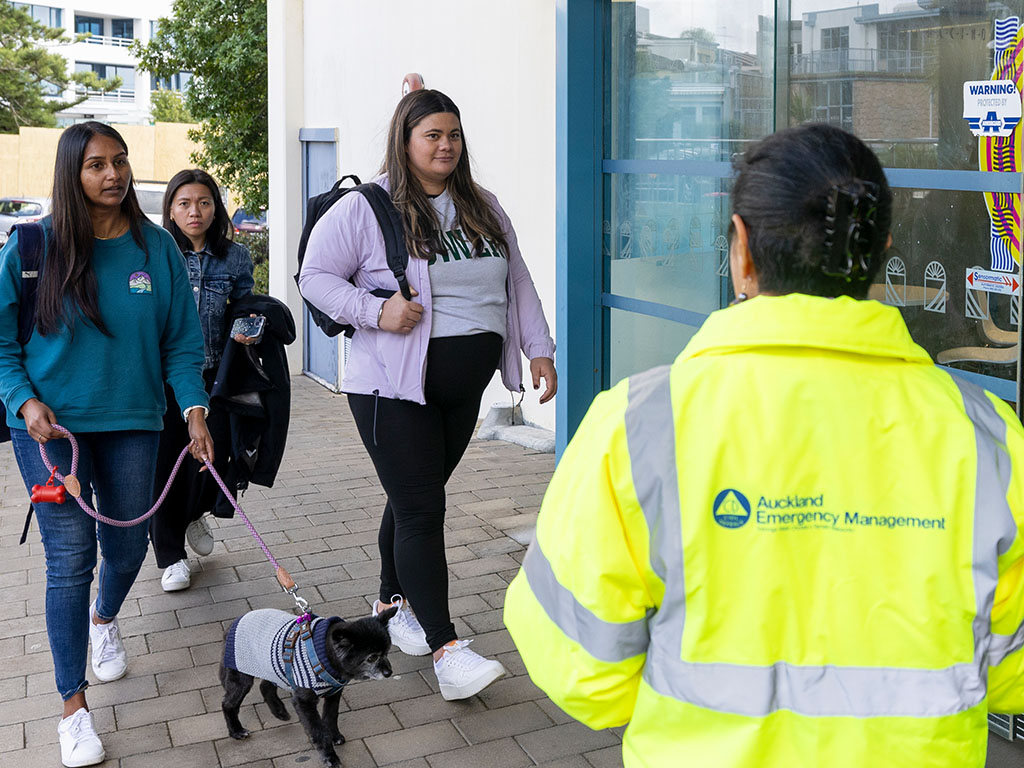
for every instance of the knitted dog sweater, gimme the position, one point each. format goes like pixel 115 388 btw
pixel 256 644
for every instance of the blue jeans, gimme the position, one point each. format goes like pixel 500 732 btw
pixel 118 467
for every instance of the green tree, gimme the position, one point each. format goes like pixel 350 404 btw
pixel 168 106
pixel 223 43
pixel 699 34
pixel 29 72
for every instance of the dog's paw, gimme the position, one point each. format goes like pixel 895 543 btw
pixel 337 738
pixel 332 760
pixel 239 734
pixel 277 709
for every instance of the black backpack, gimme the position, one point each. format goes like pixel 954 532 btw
pixel 390 221
pixel 31 243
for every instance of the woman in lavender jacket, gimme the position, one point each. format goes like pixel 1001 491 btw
pixel 417 369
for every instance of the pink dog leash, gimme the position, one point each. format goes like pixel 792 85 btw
pixel 74 487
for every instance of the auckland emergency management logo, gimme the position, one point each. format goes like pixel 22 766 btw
pixel 804 511
pixel 731 509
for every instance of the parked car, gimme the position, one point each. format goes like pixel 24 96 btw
pixel 20 210
pixel 151 199
pixel 243 221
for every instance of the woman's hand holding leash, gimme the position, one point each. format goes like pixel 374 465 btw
pixel 399 315
pixel 38 418
pixel 201 446
pixel 544 368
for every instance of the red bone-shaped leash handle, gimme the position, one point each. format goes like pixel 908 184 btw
pixel 49 493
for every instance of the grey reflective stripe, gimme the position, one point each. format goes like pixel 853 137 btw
pixel 650 437
pixel 815 691
pixel 994 526
pixel 808 690
pixel 1002 646
pixel 604 640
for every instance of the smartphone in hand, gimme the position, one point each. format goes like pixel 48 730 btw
pixel 250 327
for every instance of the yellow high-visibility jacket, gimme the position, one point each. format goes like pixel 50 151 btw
pixel 799 546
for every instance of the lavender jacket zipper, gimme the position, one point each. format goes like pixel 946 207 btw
pixel 346 247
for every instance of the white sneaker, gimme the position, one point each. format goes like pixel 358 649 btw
pixel 177 576
pixel 462 673
pixel 404 628
pixel 109 658
pixel 79 744
pixel 199 537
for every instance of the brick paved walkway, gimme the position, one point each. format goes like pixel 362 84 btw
pixel 320 520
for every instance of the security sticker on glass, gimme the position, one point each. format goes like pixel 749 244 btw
pixel 991 107
pixel 250 327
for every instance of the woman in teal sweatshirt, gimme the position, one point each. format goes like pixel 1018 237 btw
pixel 114 319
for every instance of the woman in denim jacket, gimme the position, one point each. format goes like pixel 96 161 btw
pixel 220 272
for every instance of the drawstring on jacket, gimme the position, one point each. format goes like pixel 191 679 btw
pixel 376 395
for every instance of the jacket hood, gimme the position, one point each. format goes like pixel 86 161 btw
pixel 796 320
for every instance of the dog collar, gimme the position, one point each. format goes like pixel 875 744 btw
pixel 303 630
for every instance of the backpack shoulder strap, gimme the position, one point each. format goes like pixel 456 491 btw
pixel 31 244
pixel 390 221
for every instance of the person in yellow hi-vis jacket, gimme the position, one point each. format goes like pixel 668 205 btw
pixel 800 544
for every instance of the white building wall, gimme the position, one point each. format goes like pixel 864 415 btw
pixel 495 60
pixel 287 90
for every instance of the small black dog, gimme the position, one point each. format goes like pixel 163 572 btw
pixel 314 657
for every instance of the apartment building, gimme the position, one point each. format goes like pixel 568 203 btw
pixel 112 26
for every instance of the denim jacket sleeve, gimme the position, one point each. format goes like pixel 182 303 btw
pixel 241 268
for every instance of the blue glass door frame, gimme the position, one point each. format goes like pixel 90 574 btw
pixel 320 354
pixel 581 300
pixel 579 85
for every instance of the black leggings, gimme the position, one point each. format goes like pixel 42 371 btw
pixel 415 448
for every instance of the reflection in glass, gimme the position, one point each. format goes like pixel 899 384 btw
pixel 893 72
pixel 665 240
pixel 688 80
pixel 937 237
pixel 638 342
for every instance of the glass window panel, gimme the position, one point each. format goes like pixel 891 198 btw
pixel 639 342
pixel 44 14
pixel 893 72
pixel 123 28
pixel 91 24
pixel 688 80
pixel 127 75
pixel 665 239
pixel 85 66
pixel 937 236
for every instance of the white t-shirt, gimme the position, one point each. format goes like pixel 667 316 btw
pixel 468 294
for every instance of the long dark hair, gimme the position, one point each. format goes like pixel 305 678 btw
pixel 67 281
pixel 218 236
pixel 788 190
pixel 422 232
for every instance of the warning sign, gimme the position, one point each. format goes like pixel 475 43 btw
pixel 991 107
pixel 992 282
